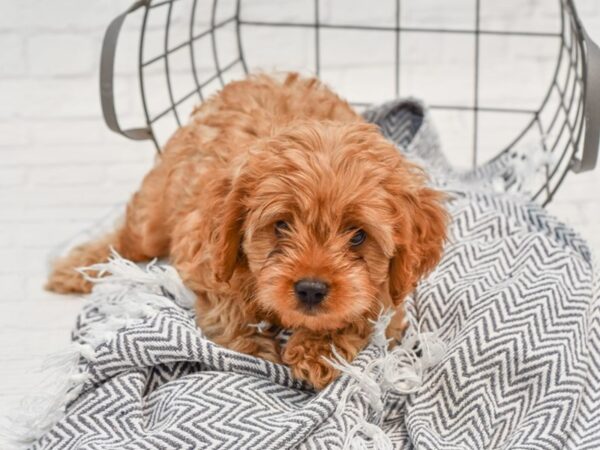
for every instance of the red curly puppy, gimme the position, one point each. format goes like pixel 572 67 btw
pixel 278 203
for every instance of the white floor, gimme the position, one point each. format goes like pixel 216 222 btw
pixel 36 218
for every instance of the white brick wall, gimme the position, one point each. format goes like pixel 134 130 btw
pixel 61 170
pixel 61 54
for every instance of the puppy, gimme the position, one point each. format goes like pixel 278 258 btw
pixel 278 203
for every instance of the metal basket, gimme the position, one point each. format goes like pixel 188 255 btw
pixel 189 49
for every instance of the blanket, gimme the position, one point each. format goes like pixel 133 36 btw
pixel 502 350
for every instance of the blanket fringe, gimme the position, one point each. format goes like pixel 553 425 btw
pixel 373 434
pixel 124 293
pixel 400 370
pixel 261 326
pixel 155 279
pixel 62 384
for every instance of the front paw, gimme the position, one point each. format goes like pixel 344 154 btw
pixel 307 362
pixel 267 348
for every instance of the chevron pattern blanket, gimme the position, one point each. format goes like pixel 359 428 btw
pixel 514 301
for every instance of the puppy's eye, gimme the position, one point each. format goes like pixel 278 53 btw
pixel 280 227
pixel 358 238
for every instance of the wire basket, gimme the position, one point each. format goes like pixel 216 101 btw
pixel 189 49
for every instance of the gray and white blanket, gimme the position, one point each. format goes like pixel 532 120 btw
pixel 514 300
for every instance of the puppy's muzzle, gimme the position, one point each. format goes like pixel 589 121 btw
pixel 310 292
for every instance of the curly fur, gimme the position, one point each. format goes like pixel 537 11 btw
pixel 261 151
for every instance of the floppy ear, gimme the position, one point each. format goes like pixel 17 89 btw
pixel 228 232
pixel 419 240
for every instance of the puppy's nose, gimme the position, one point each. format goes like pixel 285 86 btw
pixel 310 292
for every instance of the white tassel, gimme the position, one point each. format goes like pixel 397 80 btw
pixel 400 370
pixel 261 326
pixel 364 381
pixel 125 294
pixel 378 335
pixel 62 384
pixel 65 360
pixel 377 437
pixel 124 274
pixel 432 348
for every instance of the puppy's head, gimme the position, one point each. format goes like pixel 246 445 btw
pixel 331 222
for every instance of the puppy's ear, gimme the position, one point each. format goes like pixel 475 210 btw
pixel 419 241
pixel 228 231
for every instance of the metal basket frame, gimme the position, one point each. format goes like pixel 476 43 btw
pixel 576 137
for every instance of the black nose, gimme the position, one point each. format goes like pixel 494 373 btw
pixel 310 292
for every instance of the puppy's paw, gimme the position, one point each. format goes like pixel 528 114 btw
pixel 267 348
pixel 305 358
pixel 66 280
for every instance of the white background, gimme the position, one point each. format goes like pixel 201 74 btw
pixel 61 170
